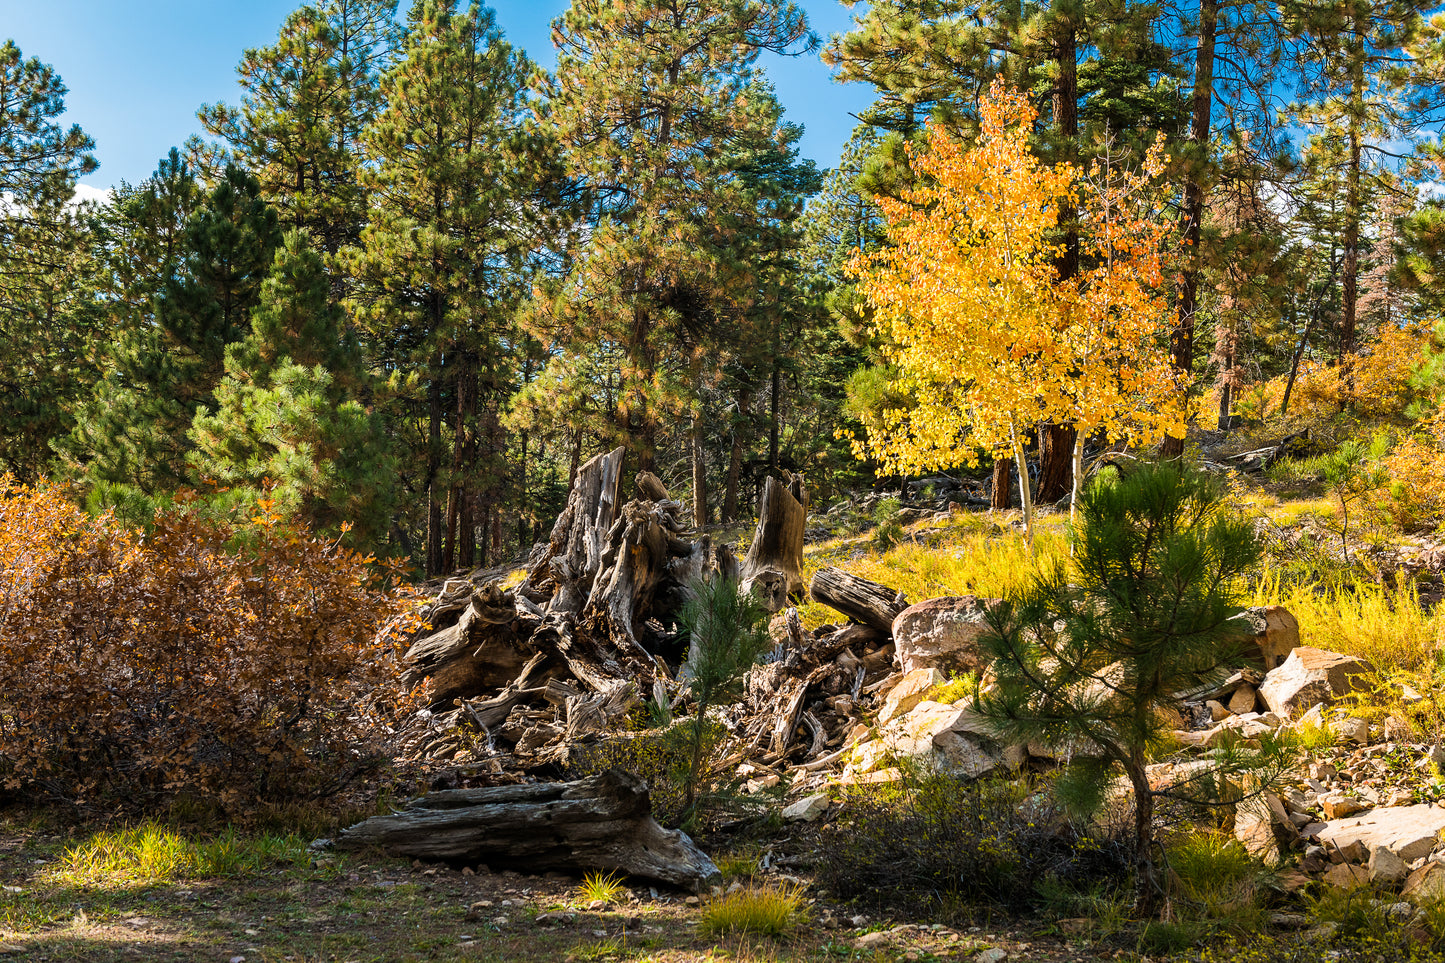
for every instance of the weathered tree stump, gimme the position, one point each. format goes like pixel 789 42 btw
pixel 773 568
pixel 603 823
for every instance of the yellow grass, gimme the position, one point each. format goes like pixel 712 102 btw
pixel 966 558
pixel 1387 628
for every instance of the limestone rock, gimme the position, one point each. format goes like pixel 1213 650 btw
pixel 1426 884
pixel 942 634
pixel 1353 729
pixel 1407 831
pixel 807 809
pixel 1309 676
pixel 946 738
pixel 1243 700
pixel 909 692
pixel 1346 875
pixel 1386 869
pixel 1271 633
pixel 1338 805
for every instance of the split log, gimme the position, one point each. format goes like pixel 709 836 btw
pixel 601 711
pixel 603 822
pixel 777 545
pixel 864 601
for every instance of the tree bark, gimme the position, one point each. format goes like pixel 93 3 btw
pixel 603 822
pixel 777 545
pixel 861 600
pixel 563 576
pixel 1002 484
pixel 700 515
pixel 1181 340
pixel 735 457
pixel 1056 449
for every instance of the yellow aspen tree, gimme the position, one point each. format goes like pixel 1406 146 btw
pixel 986 338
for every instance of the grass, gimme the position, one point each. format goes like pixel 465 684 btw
pixel 151 853
pixel 1386 626
pixel 757 910
pixel 965 557
pixel 604 887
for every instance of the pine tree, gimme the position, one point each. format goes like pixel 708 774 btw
pixel 43 311
pixel 1353 75
pixel 651 106
pixel 289 425
pixel 130 442
pixel 308 98
pixel 459 177
pixel 1090 654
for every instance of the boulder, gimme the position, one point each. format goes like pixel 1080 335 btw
pixel 1270 633
pixel 1346 875
pixel 1426 884
pixel 942 634
pixel 908 692
pixel 807 809
pixel 1243 700
pixel 1310 676
pixel 948 738
pixel 1387 869
pixel 1407 831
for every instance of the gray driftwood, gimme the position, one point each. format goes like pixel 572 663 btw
pixel 858 598
pixel 602 822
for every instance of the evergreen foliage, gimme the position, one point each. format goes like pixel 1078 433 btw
pixel 164 361
pixel 1089 658
pixel 290 427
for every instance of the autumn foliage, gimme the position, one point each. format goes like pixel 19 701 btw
pixel 135 666
pixel 989 337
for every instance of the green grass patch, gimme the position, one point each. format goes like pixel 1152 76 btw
pixel 151 853
pixel 756 910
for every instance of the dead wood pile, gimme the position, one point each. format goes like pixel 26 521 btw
pixel 522 676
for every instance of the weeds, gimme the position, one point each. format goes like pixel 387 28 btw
pixel 604 887
pixel 759 910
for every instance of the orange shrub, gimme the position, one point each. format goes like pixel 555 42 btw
pixel 1415 493
pixel 134 666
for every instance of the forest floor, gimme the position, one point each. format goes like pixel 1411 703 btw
pixel 369 908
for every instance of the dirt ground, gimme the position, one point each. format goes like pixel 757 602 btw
pixel 368 907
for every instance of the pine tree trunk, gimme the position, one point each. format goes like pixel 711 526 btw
pixel 434 494
pixel 1002 485
pixel 735 457
pixel 699 474
pixel 1146 876
pixel 1181 341
pixel 1056 441
pixel 1349 283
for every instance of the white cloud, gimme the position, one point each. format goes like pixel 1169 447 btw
pixel 84 193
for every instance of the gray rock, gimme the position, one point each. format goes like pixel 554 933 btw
pixel 941 633
pixel 807 809
pixel 1309 676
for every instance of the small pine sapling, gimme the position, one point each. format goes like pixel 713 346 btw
pixel 728 632
pixel 1089 657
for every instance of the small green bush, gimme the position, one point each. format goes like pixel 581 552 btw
pixel 887 531
pixel 934 842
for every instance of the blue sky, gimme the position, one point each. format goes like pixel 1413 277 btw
pixel 137 70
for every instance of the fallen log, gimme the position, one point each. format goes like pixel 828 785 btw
pixel 858 598
pixel 603 822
